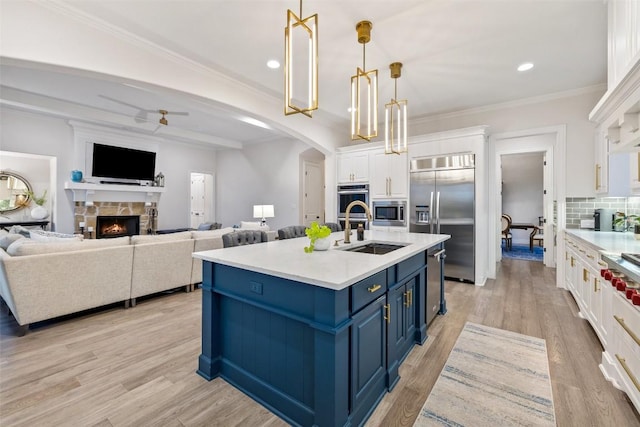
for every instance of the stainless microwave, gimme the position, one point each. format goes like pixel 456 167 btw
pixel 389 212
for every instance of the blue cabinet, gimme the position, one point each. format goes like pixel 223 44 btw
pixel 313 355
pixel 368 359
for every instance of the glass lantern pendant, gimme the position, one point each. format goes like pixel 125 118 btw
pixel 364 93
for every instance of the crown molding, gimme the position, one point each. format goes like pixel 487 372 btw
pixel 510 104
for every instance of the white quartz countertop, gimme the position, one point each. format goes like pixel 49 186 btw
pixel 334 269
pixel 608 241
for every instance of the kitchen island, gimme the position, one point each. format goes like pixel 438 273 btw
pixel 317 338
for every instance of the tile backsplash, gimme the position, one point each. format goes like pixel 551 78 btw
pixel 579 208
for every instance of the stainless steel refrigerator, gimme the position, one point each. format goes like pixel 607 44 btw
pixel 442 197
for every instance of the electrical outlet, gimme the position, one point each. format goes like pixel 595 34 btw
pixel 256 287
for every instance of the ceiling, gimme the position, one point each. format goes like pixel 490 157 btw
pixel 457 55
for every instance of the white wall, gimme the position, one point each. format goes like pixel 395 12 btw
pixel 522 186
pixel 259 175
pixel 572 111
pixel 24 132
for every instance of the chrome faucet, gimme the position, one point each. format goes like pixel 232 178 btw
pixel 347 226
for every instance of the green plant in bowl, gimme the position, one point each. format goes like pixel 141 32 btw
pixel 315 232
pixel 627 222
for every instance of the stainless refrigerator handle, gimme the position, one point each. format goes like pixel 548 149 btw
pixel 438 213
pixel 432 214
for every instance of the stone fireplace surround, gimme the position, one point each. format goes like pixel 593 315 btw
pixel 88 214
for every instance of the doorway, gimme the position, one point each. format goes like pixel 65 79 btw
pixel 202 199
pixel 523 201
pixel 312 192
pixel 552 142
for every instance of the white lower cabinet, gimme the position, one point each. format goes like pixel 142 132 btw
pixel 614 319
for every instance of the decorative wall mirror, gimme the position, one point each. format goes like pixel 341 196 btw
pixel 14 192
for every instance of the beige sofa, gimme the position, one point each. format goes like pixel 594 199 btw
pixel 44 280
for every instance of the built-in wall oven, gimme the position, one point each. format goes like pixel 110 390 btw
pixel 389 213
pixel 348 193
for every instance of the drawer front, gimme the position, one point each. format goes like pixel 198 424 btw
pixel 409 266
pixel 626 318
pixel 367 290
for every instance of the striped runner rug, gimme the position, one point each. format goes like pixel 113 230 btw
pixel 492 377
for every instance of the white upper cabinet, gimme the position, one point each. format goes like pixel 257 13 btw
pixel 618 112
pixel 389 175
pixel 353 166
pixel 624 39
pixel 634 172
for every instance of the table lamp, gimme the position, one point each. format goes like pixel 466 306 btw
pixel 264 212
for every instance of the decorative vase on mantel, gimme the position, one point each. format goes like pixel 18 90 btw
pixel 39 212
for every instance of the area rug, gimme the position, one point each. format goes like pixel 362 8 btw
pixel 523 252
pixel 492 377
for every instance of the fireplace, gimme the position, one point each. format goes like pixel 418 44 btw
pixel 117 226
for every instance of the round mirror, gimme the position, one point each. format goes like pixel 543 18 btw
pixel 14 192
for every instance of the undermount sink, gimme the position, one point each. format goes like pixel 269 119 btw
pixel 375 248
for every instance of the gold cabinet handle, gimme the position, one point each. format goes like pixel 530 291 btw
pixel 387 316
pixel 408 298
pixel 595 284
pixel 572 262
pixel 590 256
pixel 585 275
pixel 373 288
pixel 632 377
pixel 602 264
pixel 626 328
pixel 597 176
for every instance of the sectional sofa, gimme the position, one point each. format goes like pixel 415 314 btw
pixel 44 280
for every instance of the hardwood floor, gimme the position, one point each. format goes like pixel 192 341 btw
pixel 136 367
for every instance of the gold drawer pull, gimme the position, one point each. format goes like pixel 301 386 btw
pixel 632 377
pixel 585 275
pixel 373 288
pixel 590 256
pixel 626 328
pixel 595 284
pixel 387 316
pixel 602 264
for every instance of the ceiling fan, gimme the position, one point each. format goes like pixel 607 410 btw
pixel 142 115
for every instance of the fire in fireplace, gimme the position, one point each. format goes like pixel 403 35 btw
pixel 117 226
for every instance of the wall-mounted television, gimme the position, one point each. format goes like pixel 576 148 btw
pixel 110 161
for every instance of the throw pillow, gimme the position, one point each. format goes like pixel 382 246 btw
pixel 7 240
pixel 205 226
pixel 50 236
pixel 18 229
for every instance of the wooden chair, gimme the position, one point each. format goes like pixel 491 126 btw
pixel 538 234
pixel 506 232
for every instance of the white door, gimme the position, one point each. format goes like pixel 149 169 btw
pixel 313 193
pixel 197 199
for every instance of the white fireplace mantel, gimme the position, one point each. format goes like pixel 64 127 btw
pixel 89 193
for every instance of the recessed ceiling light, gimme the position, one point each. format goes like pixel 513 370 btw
pixel 254 122
pixel 273 64
pixel 525 66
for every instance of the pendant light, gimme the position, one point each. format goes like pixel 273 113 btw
pixel 395 118
pixel 302 29
pixel 364 92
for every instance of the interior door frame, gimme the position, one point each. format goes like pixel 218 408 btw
pixel 555 185
pixel 303 188
pixel 210 198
